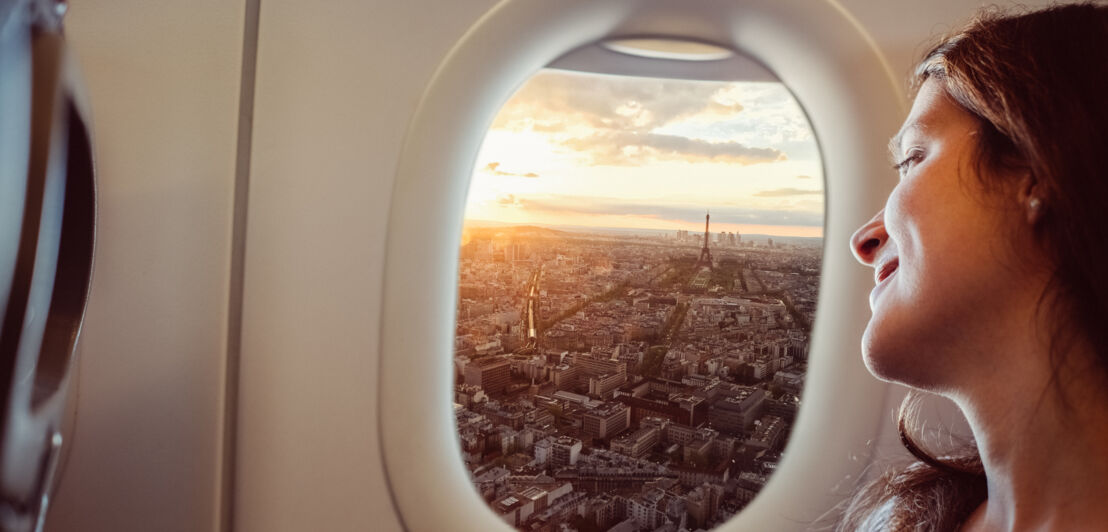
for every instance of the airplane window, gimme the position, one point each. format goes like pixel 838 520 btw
pixel 638 274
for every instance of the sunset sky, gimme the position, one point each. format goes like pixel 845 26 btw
pixel 613 151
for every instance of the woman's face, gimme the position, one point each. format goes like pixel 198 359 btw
pixel 938 253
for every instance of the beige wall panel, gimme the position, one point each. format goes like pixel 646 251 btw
pixel 337 83
pixel 163 80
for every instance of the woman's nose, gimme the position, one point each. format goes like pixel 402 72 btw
pixel 869 238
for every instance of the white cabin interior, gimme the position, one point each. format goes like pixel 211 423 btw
pixel 281 187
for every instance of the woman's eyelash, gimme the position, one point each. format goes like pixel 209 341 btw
pixel 902 165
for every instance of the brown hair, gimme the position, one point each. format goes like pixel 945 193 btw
pixel 1037 83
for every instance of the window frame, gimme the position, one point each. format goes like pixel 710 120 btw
pixel 853 103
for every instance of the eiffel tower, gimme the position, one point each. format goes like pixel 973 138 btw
pixel 705 254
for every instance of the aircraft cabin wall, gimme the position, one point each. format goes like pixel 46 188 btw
pixel 336 87
pixel 163 81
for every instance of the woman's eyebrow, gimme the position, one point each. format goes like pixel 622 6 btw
pixel 894 150
pixel 894 143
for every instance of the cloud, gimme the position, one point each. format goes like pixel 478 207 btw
pixel 675 212
pixel 493 168
pixel 508 199
pixel 788 191
pixel 770 117
pixel 615 120
pixel 556 100
pixel 632 149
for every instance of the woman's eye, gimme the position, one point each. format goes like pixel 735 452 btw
pixel 903 166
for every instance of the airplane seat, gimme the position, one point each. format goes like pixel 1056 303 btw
pixel 47 232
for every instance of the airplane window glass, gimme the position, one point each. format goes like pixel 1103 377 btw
pixel 638 275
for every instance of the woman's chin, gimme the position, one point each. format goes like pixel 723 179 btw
pixel 881 369
pixel 904 363
pixel 878 365
pixel 885 360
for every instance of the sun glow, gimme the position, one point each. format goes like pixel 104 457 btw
pixel 572 149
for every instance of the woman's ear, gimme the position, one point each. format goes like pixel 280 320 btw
pixel 1030 198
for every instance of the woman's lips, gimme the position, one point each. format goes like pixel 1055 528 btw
pixel 886 270
pixel 879 276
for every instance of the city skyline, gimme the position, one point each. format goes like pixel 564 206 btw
pixel 611 382
pixel 591 150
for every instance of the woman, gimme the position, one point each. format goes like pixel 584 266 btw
pixel 991 270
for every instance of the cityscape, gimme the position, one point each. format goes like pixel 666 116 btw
pixel 623 381
pixel 638 274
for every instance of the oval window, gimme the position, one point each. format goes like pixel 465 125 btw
pixel 639 268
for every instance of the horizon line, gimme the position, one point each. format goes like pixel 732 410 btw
pixel 494 223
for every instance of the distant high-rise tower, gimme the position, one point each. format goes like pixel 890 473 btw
pixel 705 254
